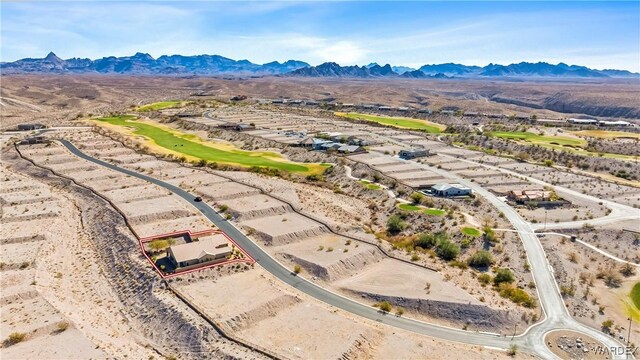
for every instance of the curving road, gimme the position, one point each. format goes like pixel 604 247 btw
pixel 531 341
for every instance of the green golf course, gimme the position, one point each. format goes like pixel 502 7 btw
pixel 399 122
pixel 160 105
pixel 562 143
pixel 370 185
pixel 195 148
pixel 428 211
pixel 470 231
pixel 538 139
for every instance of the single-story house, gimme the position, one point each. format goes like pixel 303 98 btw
pixel 470 113
pixel 447 190
pixel 384 108
pixel 583 121
pixel 311 102
pixel 211 248
pixel 447 112
pixel 277 101
pixel 351 149
pixel 34 140
pixel 424 111
pixel 524 196
pixel 330 145
pixel 403 108
pixel 243 127
pixel 614 123
pixel 413 153
pixel 30 126
pixel 313 143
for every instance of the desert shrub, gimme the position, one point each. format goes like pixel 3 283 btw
pixel 395 224
pixel 384 306
pixel 627 270
pixel 513 350
pixel 297 269
pixel 516 295
pixel 16 337
pixel 62 326
pixel 481 258
pixel 415 257
pixel 503 275
pixel 447 250
pixel 607 325
pixel 427 240
pixel 416 197
pixel 485 279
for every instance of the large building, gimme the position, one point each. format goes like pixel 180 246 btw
pixel 208 249
pixel 413 153
pixel 448 190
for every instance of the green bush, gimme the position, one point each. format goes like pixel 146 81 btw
pixel 385 306
pixel 485 279
pixel 395 224
pixel 503 275
pixel 426 240
pixel 516 295
pixel 481 258
pixel 447 250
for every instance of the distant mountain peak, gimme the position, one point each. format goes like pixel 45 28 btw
pixel 53 58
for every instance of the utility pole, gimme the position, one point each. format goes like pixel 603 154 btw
pixel 545 219
pixel 629 334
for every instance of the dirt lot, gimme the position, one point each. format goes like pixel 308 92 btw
pixel 261 305
pixel 593 285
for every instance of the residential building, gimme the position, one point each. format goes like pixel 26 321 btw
pixel 614 123
pixel 208 249
pixel 351 149
pixel 524 196
pixel 448 190
pixel 413 153
pixel 583 121
pixel 30 126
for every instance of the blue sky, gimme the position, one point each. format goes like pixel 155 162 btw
pixel 595 34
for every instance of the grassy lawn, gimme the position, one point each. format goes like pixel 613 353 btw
pixel 635 295
pixel 632 303
pixel 604 134
pixel 561 143
pixel 160 105
pixel 194 148
pixel 399 122
pixel 411 207
pixel 370 186
pixel 471 231
pixel 538 139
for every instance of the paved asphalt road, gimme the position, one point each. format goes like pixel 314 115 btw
pixel 531 341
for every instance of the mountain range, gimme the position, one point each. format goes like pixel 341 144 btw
pixel 145 64
pixel 449 70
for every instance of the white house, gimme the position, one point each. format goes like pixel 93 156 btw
pixel 447 190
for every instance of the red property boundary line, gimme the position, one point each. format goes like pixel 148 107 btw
pixel 248 258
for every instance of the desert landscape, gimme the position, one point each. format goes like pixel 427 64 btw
pixel 355 242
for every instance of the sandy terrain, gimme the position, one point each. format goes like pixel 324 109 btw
pixel 588 298
pixel 394 279
pixel 261 305
pixel 42 294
